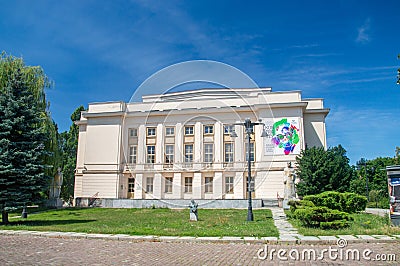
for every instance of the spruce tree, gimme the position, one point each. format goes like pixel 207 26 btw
pixel 22 146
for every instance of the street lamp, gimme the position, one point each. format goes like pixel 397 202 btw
pixel 248 125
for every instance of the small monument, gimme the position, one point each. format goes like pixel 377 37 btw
pixel 193 210
pixel 55 190
pixel 289 180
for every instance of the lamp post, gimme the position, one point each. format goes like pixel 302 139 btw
pixel 248 125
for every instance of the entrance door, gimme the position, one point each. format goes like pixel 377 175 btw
pixel 131 188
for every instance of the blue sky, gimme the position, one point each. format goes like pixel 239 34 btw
pixel 343 51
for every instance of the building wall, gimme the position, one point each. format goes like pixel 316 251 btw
pixel 105 140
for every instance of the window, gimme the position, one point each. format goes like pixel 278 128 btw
pixel 151 154
pixel 131 185
pixel 208 130
pixel 149 185
pixel 228 129
pixel 132 132
pixel 168 184
pixel 189 130
pixel 208 185
pixel 229 184
pixel 229 152
pixel 188 184
pixel 208 152
pixel 251 151
pixel 151 131
pixel 132 154
pixel 169 154
pixel 169 131
pixel 188 153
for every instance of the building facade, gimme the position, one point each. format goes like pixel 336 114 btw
pixel 179 145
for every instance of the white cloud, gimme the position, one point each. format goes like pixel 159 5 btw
pixel 363 35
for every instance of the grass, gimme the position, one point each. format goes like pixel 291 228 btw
pixel 167 222
pixel 363 224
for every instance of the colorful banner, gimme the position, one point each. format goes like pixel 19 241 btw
pixel 283 136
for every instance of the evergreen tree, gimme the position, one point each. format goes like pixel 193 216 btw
pixel 22 146
pixel 68 146
pixel 322 170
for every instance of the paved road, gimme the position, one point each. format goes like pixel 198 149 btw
pixel 38 250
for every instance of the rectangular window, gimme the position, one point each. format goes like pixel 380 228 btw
pixel 168 184
pixel 208 130
pixel 133 132
pixel 169 131
pixel 151 154
pixel 188 153
pixel 228 129
pixel 208 185
pixel 208 152
pixel 228 152
pixel 149 185
pixel 189 130
pixel 188 184
pixel 169 154
pixel 229 184
pixel 251 152
pixel 131 185
pixel 151 131
pixel 132 154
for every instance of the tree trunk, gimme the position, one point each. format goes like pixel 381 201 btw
pixel 4 217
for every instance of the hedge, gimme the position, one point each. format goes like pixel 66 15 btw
pixel 346 202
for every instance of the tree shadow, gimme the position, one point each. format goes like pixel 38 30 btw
pixel 46 222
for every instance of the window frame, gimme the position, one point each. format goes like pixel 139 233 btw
pixel 230 128
pixel 152 129
pixel 189 128
pixel 131 130
pixel 208 130
pixel 208 186
pixel 168 184
pixel 168 156
pixel 186 153
pixel 230 154
pixel 150 155
pixel 132 156
pixel 131 185
pixel 149 185
pixel 229 186
pixel 207 153
pixel 169 133
pixel 188 185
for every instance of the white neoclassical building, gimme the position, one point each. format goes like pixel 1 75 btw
pixel 179 146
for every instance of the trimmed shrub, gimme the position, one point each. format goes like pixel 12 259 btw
pixel 347 202
pixel 322 217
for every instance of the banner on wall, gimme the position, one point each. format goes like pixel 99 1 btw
pixel 283 136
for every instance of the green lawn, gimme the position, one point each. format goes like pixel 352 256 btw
pixel 363 224
pixel 168 222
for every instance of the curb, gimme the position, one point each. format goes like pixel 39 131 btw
pixel 320 240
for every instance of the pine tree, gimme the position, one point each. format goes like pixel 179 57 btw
pixel 322 170
pixel 22 146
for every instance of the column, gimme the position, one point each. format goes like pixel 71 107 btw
pixel 177 188
pixel 259 143
pixel 159 147
pixel 238 189
pixel 178 152
pixel 218 146
pixel 141 156
pixel 218 185
pixel 139 186
pixel 240 153
pixel 197 187
pixel 158 185
pixel 198 145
